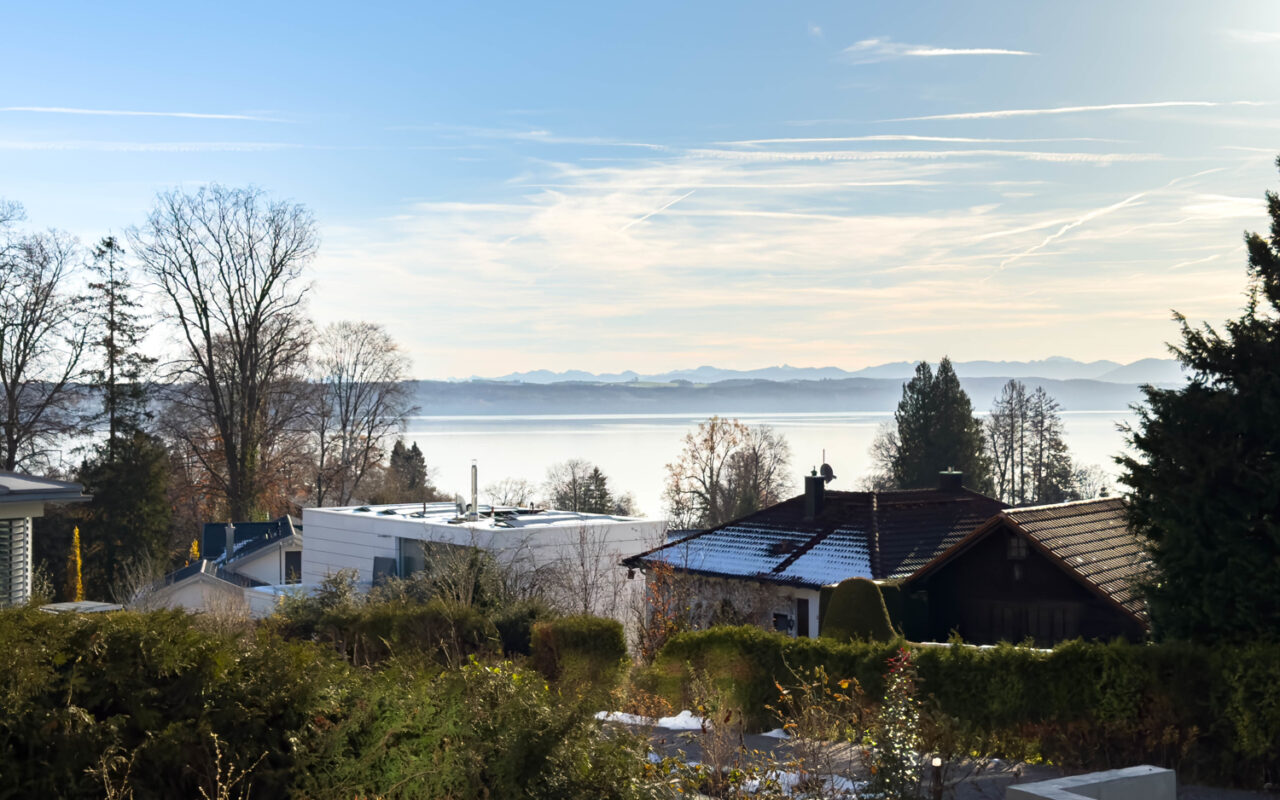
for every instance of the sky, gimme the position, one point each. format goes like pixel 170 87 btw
pixel 654 186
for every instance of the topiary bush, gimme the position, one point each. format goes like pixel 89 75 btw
pixel 856 610
pixel 582 654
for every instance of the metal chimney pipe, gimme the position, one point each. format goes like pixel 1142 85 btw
pixel 231 541
pixel 475 492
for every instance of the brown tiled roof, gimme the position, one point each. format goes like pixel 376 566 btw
pixel 1093 539
pixel 779 544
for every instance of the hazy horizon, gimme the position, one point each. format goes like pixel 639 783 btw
pixel 558 186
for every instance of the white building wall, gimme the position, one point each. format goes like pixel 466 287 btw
pixel 266 565
pixel 342 539
pixel 202 593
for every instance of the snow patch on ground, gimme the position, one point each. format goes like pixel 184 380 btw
pixel 777 733
pixel 684 721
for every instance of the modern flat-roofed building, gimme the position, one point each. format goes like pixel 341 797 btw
pixel 22 498
pixel 397 540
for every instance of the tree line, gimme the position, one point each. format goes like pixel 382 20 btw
pixel 1016 453
pixel 252 413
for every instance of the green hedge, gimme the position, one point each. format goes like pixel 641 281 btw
pixel 582 653
pixel 1213 713
pixel 154 687
pixel 369 633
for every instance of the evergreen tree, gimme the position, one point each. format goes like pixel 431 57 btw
pixel 1206 469
pixel 122 372
pixel 1029 459
pixel 936 431
pixel 405 479
pixel 127 521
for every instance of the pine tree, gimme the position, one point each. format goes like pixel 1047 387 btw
pixel 128 518
pixel 123 369
pixel 128 475
pixel 937 431
pixel 1206 469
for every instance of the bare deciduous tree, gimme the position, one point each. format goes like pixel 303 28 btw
pixel 360 401
pixel 588 579
pixel 725 470
pixel 41 343
pixel 230 264
pixel 516 492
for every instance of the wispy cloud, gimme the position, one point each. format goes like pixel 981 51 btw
pixel 917 155
pixel 106 112
pixel 883 49
pixel 1033 112
pixel 675 248
pixel 904 137
pixel 150 147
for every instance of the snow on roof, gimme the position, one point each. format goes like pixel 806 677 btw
pixel 493 517
pixel 844 553
pixel 784 544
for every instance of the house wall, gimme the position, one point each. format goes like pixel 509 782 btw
pixel 738 601
pixel 202 593
pixel 266 565
pixel 977 594
pixel 338 540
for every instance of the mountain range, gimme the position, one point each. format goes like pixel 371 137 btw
pixel 1147 370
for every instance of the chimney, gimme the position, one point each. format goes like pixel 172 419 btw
pixel 231 541
pixel 949 480
pixel 475 493
pixel 815 490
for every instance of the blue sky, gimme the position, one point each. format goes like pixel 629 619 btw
pixel 661 185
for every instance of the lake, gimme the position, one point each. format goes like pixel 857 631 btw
pixel 633 450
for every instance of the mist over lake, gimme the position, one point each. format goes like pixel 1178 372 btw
pixel 633 449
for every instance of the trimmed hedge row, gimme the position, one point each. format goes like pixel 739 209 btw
pixel 1213 713
pixel 583 654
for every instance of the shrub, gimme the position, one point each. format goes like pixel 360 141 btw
pixel 1213 713
pixel 150 691
pixel 371 632
pixel 585 654
pixel 479 731
pixel 515 622
pixel 856 610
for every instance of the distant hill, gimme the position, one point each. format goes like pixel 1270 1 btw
pixel 436 398
pixel 1147 370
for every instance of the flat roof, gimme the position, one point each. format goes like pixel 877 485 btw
pixel 17 488
pixel 491 517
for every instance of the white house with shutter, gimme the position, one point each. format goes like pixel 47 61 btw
pixel 23 498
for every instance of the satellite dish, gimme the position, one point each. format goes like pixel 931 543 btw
pixel 828 475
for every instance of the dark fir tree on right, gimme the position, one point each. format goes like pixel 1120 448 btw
pixel 1205 475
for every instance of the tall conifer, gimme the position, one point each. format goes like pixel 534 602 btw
pixel 1205 477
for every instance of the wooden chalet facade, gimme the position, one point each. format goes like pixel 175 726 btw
pixel 1046 573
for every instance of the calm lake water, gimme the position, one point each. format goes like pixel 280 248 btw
pixel 633 450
